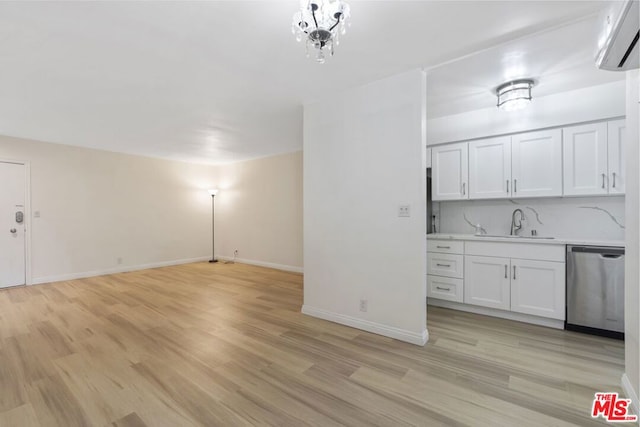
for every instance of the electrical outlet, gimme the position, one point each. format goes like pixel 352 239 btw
pixel 404 211
pixel 363 305
pixel 36 214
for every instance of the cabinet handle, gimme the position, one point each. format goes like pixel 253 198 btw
pixel 443 265
pixel 603 178
pixel 507 186
pixel 442 289
pixel 443 247
pixel 464 188
pixel 505 271
pixel 515 185
pixel 614 180
pixel 514 272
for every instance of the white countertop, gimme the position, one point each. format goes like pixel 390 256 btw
pixel 555 241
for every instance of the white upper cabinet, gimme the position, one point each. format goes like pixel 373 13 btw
pixel 536 164
pixel 594 159
pixel 449 172
pixel 490 168
pixel 616 160
pixel 585 159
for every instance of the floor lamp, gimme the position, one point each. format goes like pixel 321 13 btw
pixel 213 193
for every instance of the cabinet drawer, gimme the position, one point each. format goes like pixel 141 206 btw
pixel 445 246
pixel 445 288
pixel 447 265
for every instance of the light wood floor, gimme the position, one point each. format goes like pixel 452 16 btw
pixel 226 345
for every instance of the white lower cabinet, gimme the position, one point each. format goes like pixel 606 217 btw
pixel 487 281
pixel 538 288
pixel 517 277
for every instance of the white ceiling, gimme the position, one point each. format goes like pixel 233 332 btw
pixel 222 81
pixel 558 60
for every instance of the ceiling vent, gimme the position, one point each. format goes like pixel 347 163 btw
pixel 619 41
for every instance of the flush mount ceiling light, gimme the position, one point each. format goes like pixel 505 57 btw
pixel 321 22
pixel 514 95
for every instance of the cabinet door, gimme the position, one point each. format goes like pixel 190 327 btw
pixel 538 288
pixel 490 168
pixel 486 281
pixel 536 164
pixel 585 159
pixel 449 172
pixel 615 157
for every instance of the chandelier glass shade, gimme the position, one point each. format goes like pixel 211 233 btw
pixel 514 95
pixel 320 23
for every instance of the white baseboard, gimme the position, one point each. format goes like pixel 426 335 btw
pixel 120 269
pixel 366 325
pixel 631 394
pixel 509 315
pixel 283 267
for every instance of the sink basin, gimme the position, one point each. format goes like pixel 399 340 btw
pixel 508 236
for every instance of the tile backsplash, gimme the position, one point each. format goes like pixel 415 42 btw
pixel 570 217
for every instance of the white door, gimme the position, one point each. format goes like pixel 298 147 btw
pixel 585 159
pixel 538 288
pixel 487 281
pixel 449 172
pixel 615 157
pixel 536 164
pixel 490 168
pixel 12 227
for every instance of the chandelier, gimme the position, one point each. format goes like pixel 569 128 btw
pixel 321 22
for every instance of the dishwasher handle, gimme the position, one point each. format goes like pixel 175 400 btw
pixel 605 251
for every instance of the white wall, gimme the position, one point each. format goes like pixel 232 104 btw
pixel 597 218
pixel 581 105
pixel 259 211
pixel 631 380
pixel 97 206
pixel 363 156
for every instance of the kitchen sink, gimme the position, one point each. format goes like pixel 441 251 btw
pixel 508 236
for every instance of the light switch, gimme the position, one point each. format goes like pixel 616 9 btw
pixel 404 211
pixel 36 214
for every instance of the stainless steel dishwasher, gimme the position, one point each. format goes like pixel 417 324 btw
pixel 595 290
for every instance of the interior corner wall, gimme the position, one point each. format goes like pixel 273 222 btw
pixel 259 211
pixel 364 158
pixel 631 380
pixel 97 207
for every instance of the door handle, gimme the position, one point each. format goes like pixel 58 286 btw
pixel 515 185
pixel 505 271
pixel 614 180
pixel 603 178
pixel 13 231
pixel 507 186
pixel 514 272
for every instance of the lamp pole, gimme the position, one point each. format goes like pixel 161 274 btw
pixel 213 193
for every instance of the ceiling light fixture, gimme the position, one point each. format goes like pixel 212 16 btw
pixel 514 95
pixel 321 22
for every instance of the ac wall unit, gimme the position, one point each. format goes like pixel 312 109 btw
pixel 619 39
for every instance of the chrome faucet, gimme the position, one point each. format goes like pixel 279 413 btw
pixel 516 224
